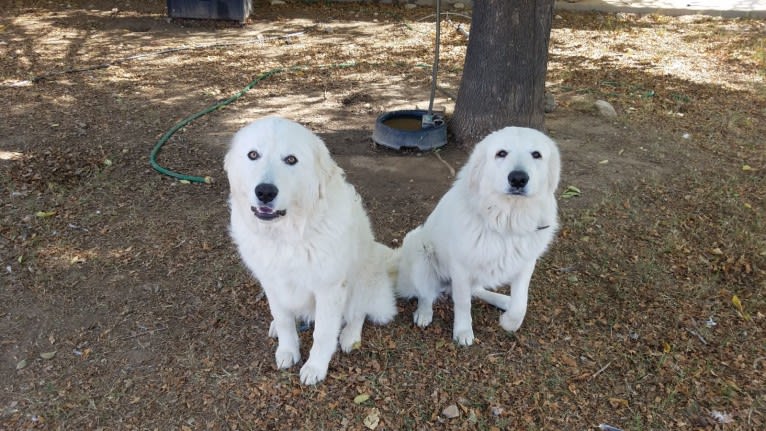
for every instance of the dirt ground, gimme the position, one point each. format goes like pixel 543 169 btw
pixel 125 306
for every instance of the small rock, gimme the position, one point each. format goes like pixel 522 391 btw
pixel 458 6
pixel 277 2
pixel 605 108
pixel 451 411
pixel 582 102
pixel 550 102
pixel 410 6
pixel 497 411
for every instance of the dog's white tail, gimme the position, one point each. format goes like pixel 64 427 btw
pixel 392 262
pixel 407 258
pixel 381 294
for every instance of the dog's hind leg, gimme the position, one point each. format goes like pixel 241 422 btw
pixel 351 335
pixel 417 277
pixel 427 288
pixel 425 312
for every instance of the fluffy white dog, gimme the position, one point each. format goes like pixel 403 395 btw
pixel 302 231
pixel 487 231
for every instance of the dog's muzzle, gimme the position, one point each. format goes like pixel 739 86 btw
pixel 517 180
pixel 266 193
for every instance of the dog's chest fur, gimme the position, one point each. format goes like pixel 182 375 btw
pixel 501 257
pixel 294 257
pixel 287 258
pixel 492 245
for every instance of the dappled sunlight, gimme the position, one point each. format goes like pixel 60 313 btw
pixel 325 104
pixel 125 303
pixel 57 255
pixel 10 155
pixel 702 60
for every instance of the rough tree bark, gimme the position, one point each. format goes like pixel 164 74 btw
pixel 503 81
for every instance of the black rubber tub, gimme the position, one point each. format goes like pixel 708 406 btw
pixel 234 10
pixel 404 129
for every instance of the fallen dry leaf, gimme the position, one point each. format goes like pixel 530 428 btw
pixel 48 355
pixel 361 398
pixel 372 420
pixel 618 403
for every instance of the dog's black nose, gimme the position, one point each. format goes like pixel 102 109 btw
pixel 518 179
pixel 266 192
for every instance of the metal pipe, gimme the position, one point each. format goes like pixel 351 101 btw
pixel 435 69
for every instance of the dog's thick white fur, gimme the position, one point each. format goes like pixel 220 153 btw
pixel 303 233
pixel 487 231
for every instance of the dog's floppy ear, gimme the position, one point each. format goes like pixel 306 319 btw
pixel 231 153
pixel 475 166
pixel 227 159
pixel 327 169
pixel 554 167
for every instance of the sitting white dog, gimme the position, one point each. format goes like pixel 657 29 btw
pixel 303 233
pixel 487 231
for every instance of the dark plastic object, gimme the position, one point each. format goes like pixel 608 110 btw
pixel 423 138
pixel 233 10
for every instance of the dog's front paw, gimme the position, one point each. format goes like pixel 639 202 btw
pixel 423 318
pixel 311 374
pixel 511 322
pixel 286 358
pixel 463 337
pixel 349 340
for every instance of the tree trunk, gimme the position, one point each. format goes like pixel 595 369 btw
pixel 503 81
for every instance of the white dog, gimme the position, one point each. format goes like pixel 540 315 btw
pixel 302 231
pixel 487 231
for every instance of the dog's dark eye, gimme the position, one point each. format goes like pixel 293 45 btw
pixel 253 155
pixel 291 160
pixel 501 154
pixel 536 155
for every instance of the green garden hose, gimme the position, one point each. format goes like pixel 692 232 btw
pixel 164 139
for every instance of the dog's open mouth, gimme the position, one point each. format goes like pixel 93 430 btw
pixel 266 213
pixel 517 192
